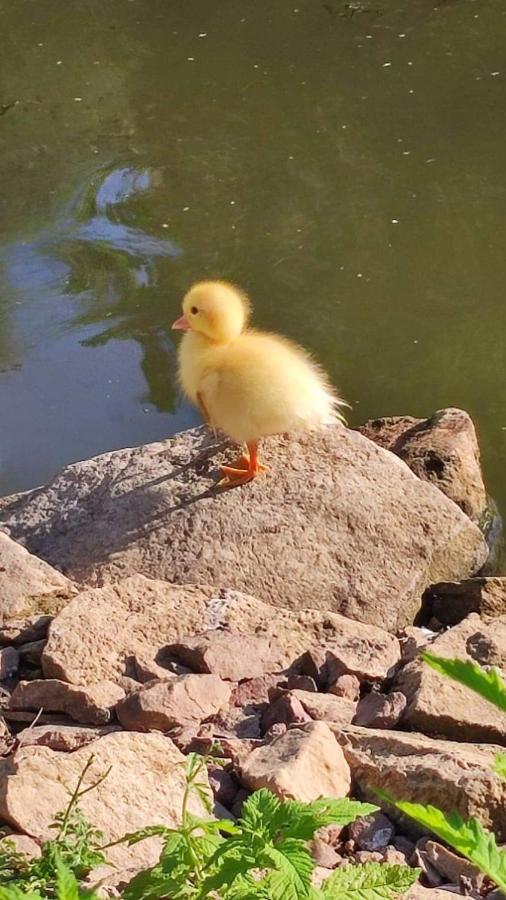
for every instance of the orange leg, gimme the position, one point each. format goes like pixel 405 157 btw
pixel 247 469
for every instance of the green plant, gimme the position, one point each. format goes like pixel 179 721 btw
pixel 371 880
pixel 73 850
pixel 262 855
pixel 469 838
pixel 66 887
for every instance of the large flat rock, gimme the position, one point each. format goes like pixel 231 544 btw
pixel 101 633
pixel 145 786
pixel 413 767
pixel 338 524
pixel 440 706
pixel 29 587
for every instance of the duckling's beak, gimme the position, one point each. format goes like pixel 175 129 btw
pixel 181 324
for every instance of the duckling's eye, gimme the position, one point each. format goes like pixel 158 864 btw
pixel 194 310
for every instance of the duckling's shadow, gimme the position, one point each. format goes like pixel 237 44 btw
pixel 156 509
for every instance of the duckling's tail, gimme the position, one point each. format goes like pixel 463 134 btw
pixel 328 407
pixel 336 412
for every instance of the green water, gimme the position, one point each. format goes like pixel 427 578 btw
pixel 346 164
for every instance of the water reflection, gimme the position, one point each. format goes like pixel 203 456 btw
pixel 107 268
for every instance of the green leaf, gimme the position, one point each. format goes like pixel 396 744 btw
pixel 67 887
pixel 259 812
pixel 15 893
pixel 487 684
pixel 294 867
pixel 469 838
pixel 500 765
pixel 370 881
pixel 301 820
pixel 144 833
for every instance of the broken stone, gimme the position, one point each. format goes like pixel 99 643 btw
pixel 223 785
pixel 286 709
pixel 394 857
pixel 9 663
pixel 438 705
pixel 451 602
pixel 275 731
pixel 28 585
pixel 303 764
pixel 300 683
pixel 228 654
pixel 431 876
pixel 167 705
pixel 452 867
pixel 442 450
pixel 243 722
pixel 326 707
pixel 452 776
pixel 64 738
pixel 34 784
pixel 418 892
pixel 395 534
pixel 345 686
pixel 256 690
pixel 23 631
pixel 372 832
pixel 367 856
pixel 147 669
pixel 99 634
pixel 413 640
pixel 93 705
pixel 377 710
pixel 23 844
pixel 31 652
pixel 323 854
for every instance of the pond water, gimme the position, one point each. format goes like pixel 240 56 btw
pixel 345 163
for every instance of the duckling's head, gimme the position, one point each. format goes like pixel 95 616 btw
pixel 217 310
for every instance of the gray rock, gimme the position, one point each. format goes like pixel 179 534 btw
pixel 168 705
pixel 338 524
pixel 453 776
pixel 9 662
pixel 231 655
pixel 377 710
pixel 442 450
pixel 28 585
pixel 451 602
pixel 373 832
pixel 91 705
pixel 102 631
pixel 437 705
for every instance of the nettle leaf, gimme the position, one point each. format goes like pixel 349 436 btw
pixel 259 812
pixel 371 881
pixel 245 887
pixel 67 887
pixel 500 765
pixel 293 866
pixel 301 820
pixel 487 684
pixel 151 831
pixel 15 893
pixel 469 838
pixel 232 861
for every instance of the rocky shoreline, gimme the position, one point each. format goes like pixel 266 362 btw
pixel 144 614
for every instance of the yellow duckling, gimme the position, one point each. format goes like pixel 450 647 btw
pixel 247 383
